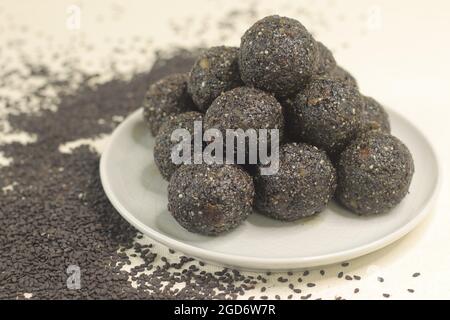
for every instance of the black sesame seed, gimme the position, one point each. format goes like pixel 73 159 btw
pixel 282 280
pixel 277 54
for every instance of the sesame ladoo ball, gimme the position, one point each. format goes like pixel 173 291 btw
pixel 277 55
pixel 340 74
pixel 245 108
pixel 210 199
pixel 164 144
pixel 215 71
pixel 325 62
pixel 374 117
pixel 165 98
pixel 326 114
pixel 374 173
pixel 302 187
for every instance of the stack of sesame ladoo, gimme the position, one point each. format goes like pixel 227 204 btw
pixel 335 142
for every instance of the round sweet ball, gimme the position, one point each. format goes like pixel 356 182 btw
pixel 302 187
pixel 245 108
pixel 164 144
pixel 340 74
pixel 327 114
pixel 277 55
pixel 215 71
pixel 210 199
pixel 374 173
pixel 165 98
pixel 374 117
pixel 325 62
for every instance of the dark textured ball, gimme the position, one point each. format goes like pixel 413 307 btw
pixel 245 108
pixel 374 117
pixel 164 144
pixel 210 199
pixel 374 173
pixel 325 62
pixel 215 71
pixel 165 98
pixel 326 113
pixel 340 74
pixel 278 55
pixel 302 187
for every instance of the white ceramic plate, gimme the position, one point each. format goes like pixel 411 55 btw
pixel 136 189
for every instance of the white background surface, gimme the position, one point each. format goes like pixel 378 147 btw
pixel 398 50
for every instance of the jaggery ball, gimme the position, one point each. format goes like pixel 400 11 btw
pixel 215 71
pixel 165 98
pixel 326 114
pixel 302 187
pixel 340 74
pixel 245 108
pixel 164 144
pixel 210 199
pixel 325 62
pixel 277 55
pixel 374 117
pixel 374 173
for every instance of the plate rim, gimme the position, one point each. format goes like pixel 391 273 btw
pixel 256 263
